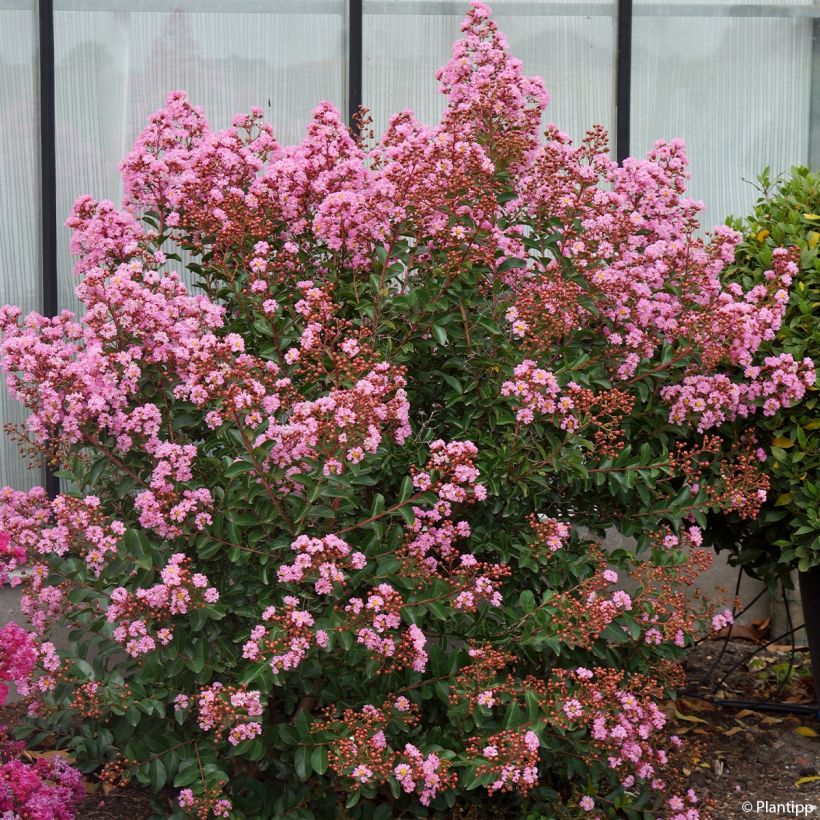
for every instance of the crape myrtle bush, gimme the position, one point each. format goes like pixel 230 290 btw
pixel 786 534
pixel 333 532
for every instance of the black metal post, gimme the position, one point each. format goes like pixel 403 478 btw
pixel 48 178
pixel 814 106
pixel 354 60
pixel 623 82
pixel 810 597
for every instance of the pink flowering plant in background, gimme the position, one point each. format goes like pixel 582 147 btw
pixel 340 430
pixel 47 789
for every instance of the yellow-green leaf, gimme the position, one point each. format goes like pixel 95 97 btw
pixel 783 443
pixel 814 238
pixel 690 718
pixel 811 216
pixel 803 780
pixel 806 731
pixel 782 500
pixel 814 424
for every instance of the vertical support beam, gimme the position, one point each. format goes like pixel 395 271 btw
pixel 48 178
pixel 354 59
pixel 623 81
pixel 814 105
pixel 810 595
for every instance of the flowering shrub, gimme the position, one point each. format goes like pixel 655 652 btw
pixel 787 532
pixel 330 538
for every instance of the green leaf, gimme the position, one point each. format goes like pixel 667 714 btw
pixel 237 468
pixel 526 600
pixel 377 507
pixel 383 812
pixel 159 775
pixel 406 489
pixel 188 773
pixel 318 759
pixel 302 762
pixel 196 662
pixel 510 263
pixel 138 546
pixel 133 715
pixel 533 705
pixel 512 716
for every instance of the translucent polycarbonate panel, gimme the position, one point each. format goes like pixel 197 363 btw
pixel 20 280
pixel 734 81
pixel 570 44
pixel 116 62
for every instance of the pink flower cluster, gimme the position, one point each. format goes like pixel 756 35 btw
pixel 49 789
pixel 18 657
pixel 454 460
pixel 418 772
pixel 76 524
pixel 537 391
pixel 711 399
pixel 144 618
pixel 163 507
pixel 156 320
pixel 511 756
pixel 152 170
pixel 430 547
pixel 376 622
pixel 23 516
pixel 652 280
pixel 205 805
pixel 549 533
pixel 223 708
pixel 287 641
pixel 38 530
pixel 341 427
pixel 628 734
pixel 482 81
pixel 320 556
pixel 722 620
pixel 362 752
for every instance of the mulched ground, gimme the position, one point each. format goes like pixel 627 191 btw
pixel 740 755
pixel 744 755
pixel 131 803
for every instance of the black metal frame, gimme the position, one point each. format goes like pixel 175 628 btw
pixel 48 178
pixel 48 156
pixel 812 626
pixel 623 79
pixel 355 50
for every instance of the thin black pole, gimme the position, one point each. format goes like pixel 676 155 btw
pixel 810 597
pixel 814 105
pixel 623 88
pixel 354 61
pixel 48 178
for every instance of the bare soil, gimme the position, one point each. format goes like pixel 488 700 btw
pixel 746 755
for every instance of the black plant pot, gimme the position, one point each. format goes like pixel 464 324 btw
pixel 810 597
